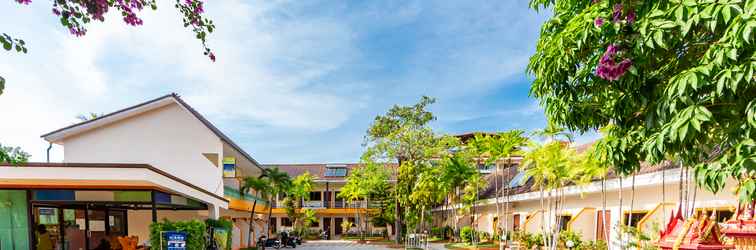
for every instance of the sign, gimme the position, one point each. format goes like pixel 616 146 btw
pixel 175 240
pixel 229 167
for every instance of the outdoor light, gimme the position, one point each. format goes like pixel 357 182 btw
pixel 570 244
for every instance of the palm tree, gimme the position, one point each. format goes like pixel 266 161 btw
pixel 262 191
pixel 279 182
pixel 454 175
pixel 502 146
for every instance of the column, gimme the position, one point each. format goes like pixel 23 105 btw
pixel 213 211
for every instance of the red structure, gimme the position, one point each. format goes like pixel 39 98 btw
pixel 694 233
pixel 742 228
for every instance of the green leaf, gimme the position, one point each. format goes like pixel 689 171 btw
pixel 726 14
pixel 659 38
pixel 7 46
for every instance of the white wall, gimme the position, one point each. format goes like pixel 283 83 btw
pixel 168 138
pixel 140 220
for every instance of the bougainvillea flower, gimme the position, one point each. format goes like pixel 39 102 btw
pixel 617 13
pixel 24 1
pixel 630 17
pixel 608 69
pixel 598 22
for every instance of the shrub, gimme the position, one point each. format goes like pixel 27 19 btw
pixel 224 224
pixel 466 234
pixel 195 232
pixel 594 245
pixel 566 236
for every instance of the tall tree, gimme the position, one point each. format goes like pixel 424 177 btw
pixel 261 187
pixel 456 172
pixel 501 147
pixel 665 78
pixel 296 195
pixel 280 183
pixel 402 136
pixel 362 184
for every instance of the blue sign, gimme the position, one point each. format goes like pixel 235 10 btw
pixel 176 240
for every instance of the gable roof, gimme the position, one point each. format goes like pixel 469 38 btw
pixel 59 134
pixel 318 169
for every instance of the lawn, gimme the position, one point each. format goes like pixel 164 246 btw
pixel 483 245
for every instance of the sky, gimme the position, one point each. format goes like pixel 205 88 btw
pixel 295 81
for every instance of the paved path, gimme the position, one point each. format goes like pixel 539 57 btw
pixel 338 245
pixel 345 244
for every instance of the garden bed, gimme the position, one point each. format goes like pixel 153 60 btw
pixel 482 245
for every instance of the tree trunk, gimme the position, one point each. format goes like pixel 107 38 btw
pixel 270 215
pixel 622 244
pixel 603 207
pixel 251 221
pixel 397 223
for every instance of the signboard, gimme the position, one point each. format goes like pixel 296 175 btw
pixel 220 235
pixel 229 167
pixel 175 240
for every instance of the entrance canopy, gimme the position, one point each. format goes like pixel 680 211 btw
pixel 96 176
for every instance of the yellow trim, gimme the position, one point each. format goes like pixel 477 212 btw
pixel 643 220
pixel 569 223
pixel 529 217
pixel 329 211
pixel 245 205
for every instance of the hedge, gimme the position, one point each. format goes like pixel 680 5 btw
pixel 195 233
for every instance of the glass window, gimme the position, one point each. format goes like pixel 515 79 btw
pixel 335 172
pixel 315 196
pixel 286 222
pixel 517 180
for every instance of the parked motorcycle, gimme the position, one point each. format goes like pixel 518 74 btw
pixel 263 242
pixel 324 235
pixel 286 240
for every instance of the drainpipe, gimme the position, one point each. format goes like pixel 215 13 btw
pixel 48 152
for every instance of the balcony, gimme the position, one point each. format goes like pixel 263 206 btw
pixel 313 204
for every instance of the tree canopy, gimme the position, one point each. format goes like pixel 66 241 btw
pixel 664 79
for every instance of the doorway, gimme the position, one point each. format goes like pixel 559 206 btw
pixel 327 226
pixel 337 226
pixel 77 227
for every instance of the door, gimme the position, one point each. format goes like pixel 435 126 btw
pixel 97 234
pixel 603 220
pixel 327 225
pixel 47 234
pixel 516 222
pixel 337 224
pixel 74 229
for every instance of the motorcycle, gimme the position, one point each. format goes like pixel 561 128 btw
pixel 324 235
pixel 286 240
pixel 263 242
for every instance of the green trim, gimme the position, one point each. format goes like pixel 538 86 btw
pixel 235 194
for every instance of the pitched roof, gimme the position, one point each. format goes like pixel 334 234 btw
pixel 317 169
pixel 139 108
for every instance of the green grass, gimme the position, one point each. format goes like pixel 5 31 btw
pixel 460 245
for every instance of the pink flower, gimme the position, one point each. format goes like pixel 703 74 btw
pixel 598 22
pixel 630 17
pixel 212 56
pixel 608 69
pixel 56 12
pixel 617 13
pixel 26 2
pixel 78 31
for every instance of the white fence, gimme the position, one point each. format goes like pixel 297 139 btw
pixel 417 241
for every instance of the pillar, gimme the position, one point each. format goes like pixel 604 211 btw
pixel 213 211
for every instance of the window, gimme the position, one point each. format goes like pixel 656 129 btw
pixel 285 222
pixel 335 172
pixel 635 217
pixel 721 215
pixel 563 221
pixel 315 196
pixel 517 180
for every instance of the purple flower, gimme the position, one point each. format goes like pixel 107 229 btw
pixel 630 17
pixel 199 9
pixel 77 31
pixel 56 12
pixel 212 56
pixel 598 22
pixel 608 69
pixel 26 2
pixel 617 13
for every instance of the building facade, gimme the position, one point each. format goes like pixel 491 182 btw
pixel 595 211
pixel 331 210
pixel 122 171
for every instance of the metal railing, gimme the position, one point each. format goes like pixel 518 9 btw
pixel 416 241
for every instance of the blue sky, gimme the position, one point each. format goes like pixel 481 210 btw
pixel 295 81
